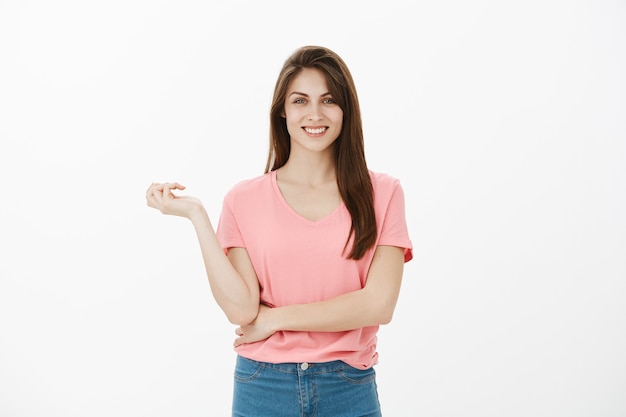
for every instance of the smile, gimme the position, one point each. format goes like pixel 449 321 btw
pixel 315 131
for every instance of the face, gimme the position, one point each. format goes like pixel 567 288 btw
pixel 313 117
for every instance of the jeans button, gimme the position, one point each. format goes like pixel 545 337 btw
pixel 304 366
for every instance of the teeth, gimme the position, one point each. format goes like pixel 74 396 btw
pixel 315 131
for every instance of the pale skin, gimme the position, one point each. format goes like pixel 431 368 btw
pixel 308 183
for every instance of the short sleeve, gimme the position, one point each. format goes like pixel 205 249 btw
pixel 228 232
pixel 394 231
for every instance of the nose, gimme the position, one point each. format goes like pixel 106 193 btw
pixel 314 112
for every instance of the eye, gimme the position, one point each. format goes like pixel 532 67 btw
pixel 329 101
pixel 299 100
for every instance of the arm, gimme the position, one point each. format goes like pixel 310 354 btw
pixel 232 279
pixel 372 305
pixel 233 283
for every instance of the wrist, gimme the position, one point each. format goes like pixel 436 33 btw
pixel 274 318
pixel 283 318
pixel 198 215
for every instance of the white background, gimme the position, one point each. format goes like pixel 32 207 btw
pixel 505 122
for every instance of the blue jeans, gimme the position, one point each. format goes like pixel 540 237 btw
pixel 329 389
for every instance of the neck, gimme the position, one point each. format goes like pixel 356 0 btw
pixel 309 171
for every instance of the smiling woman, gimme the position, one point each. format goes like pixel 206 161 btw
pixel 311 111
pixel 308 258
pixel 504 121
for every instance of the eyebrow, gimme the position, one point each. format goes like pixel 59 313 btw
pixel 306 95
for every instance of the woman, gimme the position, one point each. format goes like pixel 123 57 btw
pixel 308 258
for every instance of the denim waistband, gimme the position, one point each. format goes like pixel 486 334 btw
pixel 300 367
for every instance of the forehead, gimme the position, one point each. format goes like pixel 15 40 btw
pixel 309 81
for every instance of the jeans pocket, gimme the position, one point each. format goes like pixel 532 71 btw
pixel 357 376
pixel 247 369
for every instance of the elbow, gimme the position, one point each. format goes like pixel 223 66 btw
pixel 242 316
pixel 383 312
pixel 385 316
pixel 380 309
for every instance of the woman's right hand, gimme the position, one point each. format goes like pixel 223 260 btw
pixel 161 197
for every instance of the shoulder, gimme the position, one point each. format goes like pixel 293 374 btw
pixel 251 184
pixel 387 191
pixel 249 189
pixel 382 182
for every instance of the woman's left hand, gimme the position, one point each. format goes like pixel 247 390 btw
pixel 259 329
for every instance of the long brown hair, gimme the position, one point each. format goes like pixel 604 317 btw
pixel 353 179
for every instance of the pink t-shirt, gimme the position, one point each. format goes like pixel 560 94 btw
pixel 300 261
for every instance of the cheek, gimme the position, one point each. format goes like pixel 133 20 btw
pixel 291 115
pixel 338 117
pixel 292 122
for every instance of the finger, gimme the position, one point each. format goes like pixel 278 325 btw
pixel 238 341
pixel 168 187
pixel 167 190
pixel 149 190
pixel 171 185
pixel 156 195
pixel 151 200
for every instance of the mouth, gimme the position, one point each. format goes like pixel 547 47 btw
pixel 315 130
